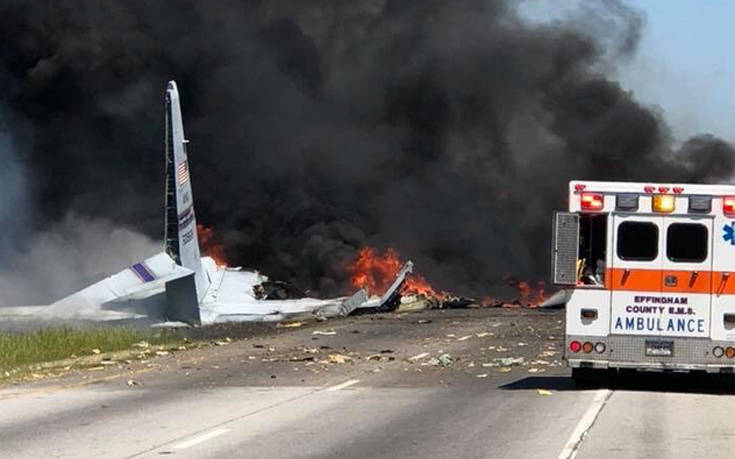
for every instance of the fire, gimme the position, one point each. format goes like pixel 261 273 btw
pixel 417 285
pixel 375 272
pixel 529 294
pixel 210 245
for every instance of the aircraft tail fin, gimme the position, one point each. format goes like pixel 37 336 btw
pixel 182 243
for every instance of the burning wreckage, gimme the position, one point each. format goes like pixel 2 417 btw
pixel 180 285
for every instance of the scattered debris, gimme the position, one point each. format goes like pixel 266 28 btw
pixel 510 361
pixel 444 360
pixel 544 392
pixel 132 383
pixel 464 338
pixel 456 302
pixel 484 334
pixel 419 356
pixel 277 290
pixel 96 351
pixel 338 358
pixel 289 325
pixel 556 301
pixel 482 375
pixel 324 333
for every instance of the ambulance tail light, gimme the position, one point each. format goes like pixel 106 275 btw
pixel 599 348
pixel 728 205
pixel 575 346
pixel 718 351
pixel 592 201
pixel 664 203
pixel 730 352
pixel 587 347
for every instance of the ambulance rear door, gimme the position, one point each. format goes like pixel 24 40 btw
pixel 687 277
pixel 636 274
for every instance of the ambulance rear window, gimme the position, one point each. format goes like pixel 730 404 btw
pixel 686 242
pixel 637 241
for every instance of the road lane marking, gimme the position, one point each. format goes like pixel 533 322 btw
pixel 349 383
pixel 584 424
pixel 200 439
pixel 420 356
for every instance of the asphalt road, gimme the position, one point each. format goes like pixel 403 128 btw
pixel 371 389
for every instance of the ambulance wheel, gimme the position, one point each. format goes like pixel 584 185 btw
pixel 588 376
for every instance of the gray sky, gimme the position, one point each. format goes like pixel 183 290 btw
pixel 685 64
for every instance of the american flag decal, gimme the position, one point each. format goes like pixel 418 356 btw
pixel 182 172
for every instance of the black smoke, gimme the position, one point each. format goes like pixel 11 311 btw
pixel 446 129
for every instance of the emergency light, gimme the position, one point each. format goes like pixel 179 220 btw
pixel 664 203
pixel 728 205
pixel 594 201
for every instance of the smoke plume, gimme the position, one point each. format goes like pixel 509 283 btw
pixel 445 129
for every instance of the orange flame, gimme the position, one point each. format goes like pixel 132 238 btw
pixel 530 295
pixel 210 245
pixel 375 272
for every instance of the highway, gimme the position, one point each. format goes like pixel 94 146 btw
pixel 265 396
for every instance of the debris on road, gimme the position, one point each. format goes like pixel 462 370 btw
pixel 510 361
pixel 544 392
pixel 277 290
pixel 446 359
pixel 324 333
pixel 338 358
pixel 419 356
pixel 289 325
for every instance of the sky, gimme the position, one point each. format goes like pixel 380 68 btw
pixel 685 63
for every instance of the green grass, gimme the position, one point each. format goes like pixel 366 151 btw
pixel 49 344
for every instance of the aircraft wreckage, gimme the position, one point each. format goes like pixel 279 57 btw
pixel 179 284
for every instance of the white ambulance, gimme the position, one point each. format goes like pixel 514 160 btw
pixel 650 271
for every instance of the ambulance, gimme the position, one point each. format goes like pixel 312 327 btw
pixel 649 270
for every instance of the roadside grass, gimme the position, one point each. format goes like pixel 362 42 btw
pixel 50 344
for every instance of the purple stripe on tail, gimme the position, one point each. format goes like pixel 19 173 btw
pixel 142 271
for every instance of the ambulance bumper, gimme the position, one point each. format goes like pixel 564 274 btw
pixel 651 366
pixel 625 351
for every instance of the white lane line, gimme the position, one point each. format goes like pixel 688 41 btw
pixel 584 424
pixel 200 439
pixel 349 383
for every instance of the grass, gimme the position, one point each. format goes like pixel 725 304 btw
pixel 50 344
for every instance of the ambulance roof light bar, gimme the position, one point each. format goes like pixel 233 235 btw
pixel 663 203
pixel 592 201
pixel 728 205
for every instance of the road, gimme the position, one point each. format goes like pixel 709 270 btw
pixel 368 387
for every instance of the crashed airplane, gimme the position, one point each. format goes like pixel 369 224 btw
pixel 179 284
